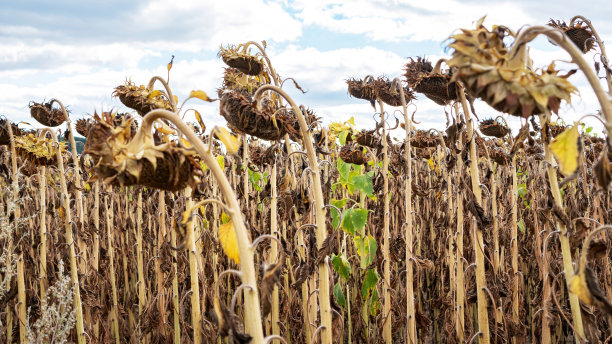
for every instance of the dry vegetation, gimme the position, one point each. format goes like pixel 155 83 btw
pixel 286 231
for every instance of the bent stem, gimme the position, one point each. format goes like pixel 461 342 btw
pixel 253 325
pixel 602 48
pixel 321 231
pixel 559 38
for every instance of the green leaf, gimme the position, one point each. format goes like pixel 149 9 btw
pixel 366 248
pixel 354 220
pixel 521 226
pixel 588 130
pixel 344 170
pixel 374 303
pixel 341 265
pixel 342 136
pixel 369 282
pixel 334 213
pixel 339 295
pixel 363 183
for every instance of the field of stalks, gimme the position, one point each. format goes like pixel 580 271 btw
pixel 279 229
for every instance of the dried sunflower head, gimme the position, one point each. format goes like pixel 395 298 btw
pixel 47 115
pixel 423 139
pixel 498 75
pixel 4 133
pixel 123 160
pixel 234 79
pixel 241 60
pixel 383 90
pixel 37 151
pixel 82 126
pixel 491 127
pixel 436 86
pixel 353 154
pixel 243 116
pixel 580 34
pixel 141 99
pixel 361 89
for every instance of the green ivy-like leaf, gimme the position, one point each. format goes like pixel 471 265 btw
pixel 366 248
pixel 363 183
pixel 369 282
pixel 339 295
pixel 353 220
pixel 374 303
pixel 339 203
pixel 341 265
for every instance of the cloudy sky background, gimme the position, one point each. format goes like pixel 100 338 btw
pixel 78 51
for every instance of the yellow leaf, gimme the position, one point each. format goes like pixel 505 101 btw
pixel 221 161
pixel 227 237
pixel 565 149
pixel 170 63
pixel 579 287
pixel 185 143
pixel 87 187
pixel 154 94
pixel 231 142
pixel 432 164
pixel 199 119
pixel 200 95
pixel 224 217
pixel 166 130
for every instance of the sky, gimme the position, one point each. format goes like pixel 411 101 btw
pixel 79 51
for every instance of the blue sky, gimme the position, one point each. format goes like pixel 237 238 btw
pixel 78 51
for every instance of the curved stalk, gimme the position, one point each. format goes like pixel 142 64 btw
pixel 559 38
pixel 602 48
pixel 386 255
pixel 265 56
pixel 166 86
pixel 321 233
pixel 252 312
pixel 74 274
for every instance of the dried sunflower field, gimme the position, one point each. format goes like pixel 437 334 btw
pixel 279 229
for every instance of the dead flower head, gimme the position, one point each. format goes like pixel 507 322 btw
pixel 580 34
pixel 498 75
pixel 46 115
pixel 123 160
pixel 141 98
pixel 241 60
pixel 436 86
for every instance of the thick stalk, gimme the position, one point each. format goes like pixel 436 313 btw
pixel 564 237
pixel 274 249
pixel 74 274
pixel 482 298
pixel 514 243
pixel 43 232
pixel 139 257
pixel 111 258
pixel 253 325
pixel 175 292
pixel 460 310
pixel 21 299
pixel 386 235
pixel 411 312
pixel 193 272
pixel 321 233
pixel 161 232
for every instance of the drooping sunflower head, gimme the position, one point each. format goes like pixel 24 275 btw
pixel 434 84
pixel 353 154
pixel 235 57
pixel 498 74
pixel 579 33
pixel 243 116
pixel 124 160
pixel 4 133
pixel 491 127
pixel 361 89
pixel 37 151
pixel 386 93
pixel 82 126
pixel 234 79
pixel 140 98
pixel 47 115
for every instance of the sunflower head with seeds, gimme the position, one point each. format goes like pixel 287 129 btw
pixel 141 99
pixel 123 160
pixel 498 74
pixel 244 61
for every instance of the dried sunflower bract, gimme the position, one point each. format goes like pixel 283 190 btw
pixel 123 161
